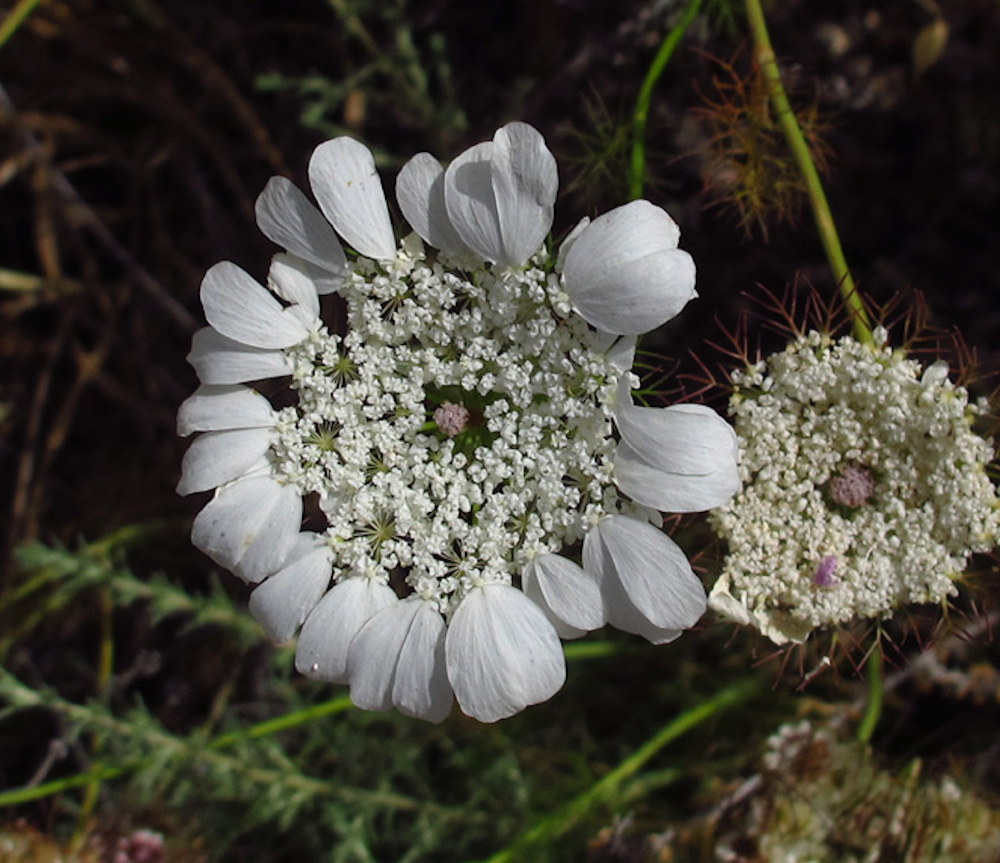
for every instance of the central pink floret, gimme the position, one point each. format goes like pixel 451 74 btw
pixel 853 486
pixel 451 418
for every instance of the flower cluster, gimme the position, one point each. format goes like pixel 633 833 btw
pixel 865 487
pixel 458 435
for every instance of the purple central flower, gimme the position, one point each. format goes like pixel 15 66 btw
pixel 451 418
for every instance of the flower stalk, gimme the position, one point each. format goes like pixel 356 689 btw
pixel 764 54
pixel 637 170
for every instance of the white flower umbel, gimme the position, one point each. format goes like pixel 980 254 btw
pixel 458 434
pixel 865 487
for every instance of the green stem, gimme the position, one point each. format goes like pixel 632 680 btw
pixel 561 821
pixel 637 173
pixel 876 689
pixel 18 15
pixel 800 150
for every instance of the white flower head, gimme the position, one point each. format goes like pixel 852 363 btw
pixel 864 488
pixel 471 426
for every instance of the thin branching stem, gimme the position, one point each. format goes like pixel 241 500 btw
pixel 637 172
pixel 825 224
pixel 19 695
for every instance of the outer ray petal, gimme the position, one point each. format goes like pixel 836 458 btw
pixel 421 687
pixel 570 598
pixel 621 612
pixel 287 217
pixel 472 206
pixel 220 360
pixel 397 659
pixel 249 526
pixel 683 439
pixel 674 492
pixel 525 182
pixel 282 602
pixel 217 457
pixel 240 308
pixel 326 637
pixel 343 178
pixel 289 277
pixel 502 653
pixel 420 193
pixel 374 653
pixel 217 408
pixel 624 272
pixel 654 572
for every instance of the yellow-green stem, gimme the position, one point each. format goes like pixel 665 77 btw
pixel 18 15
pixel 873 710
pixel 765 56
pixel 637 174
pixel 562 820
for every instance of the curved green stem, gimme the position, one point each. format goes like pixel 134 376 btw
pixel 876 690
pixel 562 820
pixel 637 172
pixel 765 56
pixel 18 15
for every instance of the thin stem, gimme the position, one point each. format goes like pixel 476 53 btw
pixel 876 689
pixel 18 15
pixel 561 821
pixel 800 150
pixel 637 173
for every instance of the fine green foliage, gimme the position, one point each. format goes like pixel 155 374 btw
pixel 389 73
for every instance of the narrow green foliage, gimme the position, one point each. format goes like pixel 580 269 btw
pixel 378 74
pixel 51 578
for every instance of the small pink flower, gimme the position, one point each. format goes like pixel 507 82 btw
pixel 824 573
pixel 140 846
pixel 451 418
pixel 853 486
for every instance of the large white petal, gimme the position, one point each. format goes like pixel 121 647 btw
pixel 472 206
pixel 374 654
pixel 421 687
pixel 674 492
pixel 343 178
pixel 420 193
pixel 219 360
pixel 290 278
pixel 685 439
pixel 525 183
pixel 218 457
pixel 249 526
pixel 624 272
pixel 502 653
pixel 287 217
pixel 397 659
pixel 326 637
pixel 240 308
pixel 282 602
pixel 217 408
pixel 653 570
pixel 570 598
pixel 619 609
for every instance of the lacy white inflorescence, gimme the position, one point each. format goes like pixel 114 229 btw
pixel 865 487
pixel 459 434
